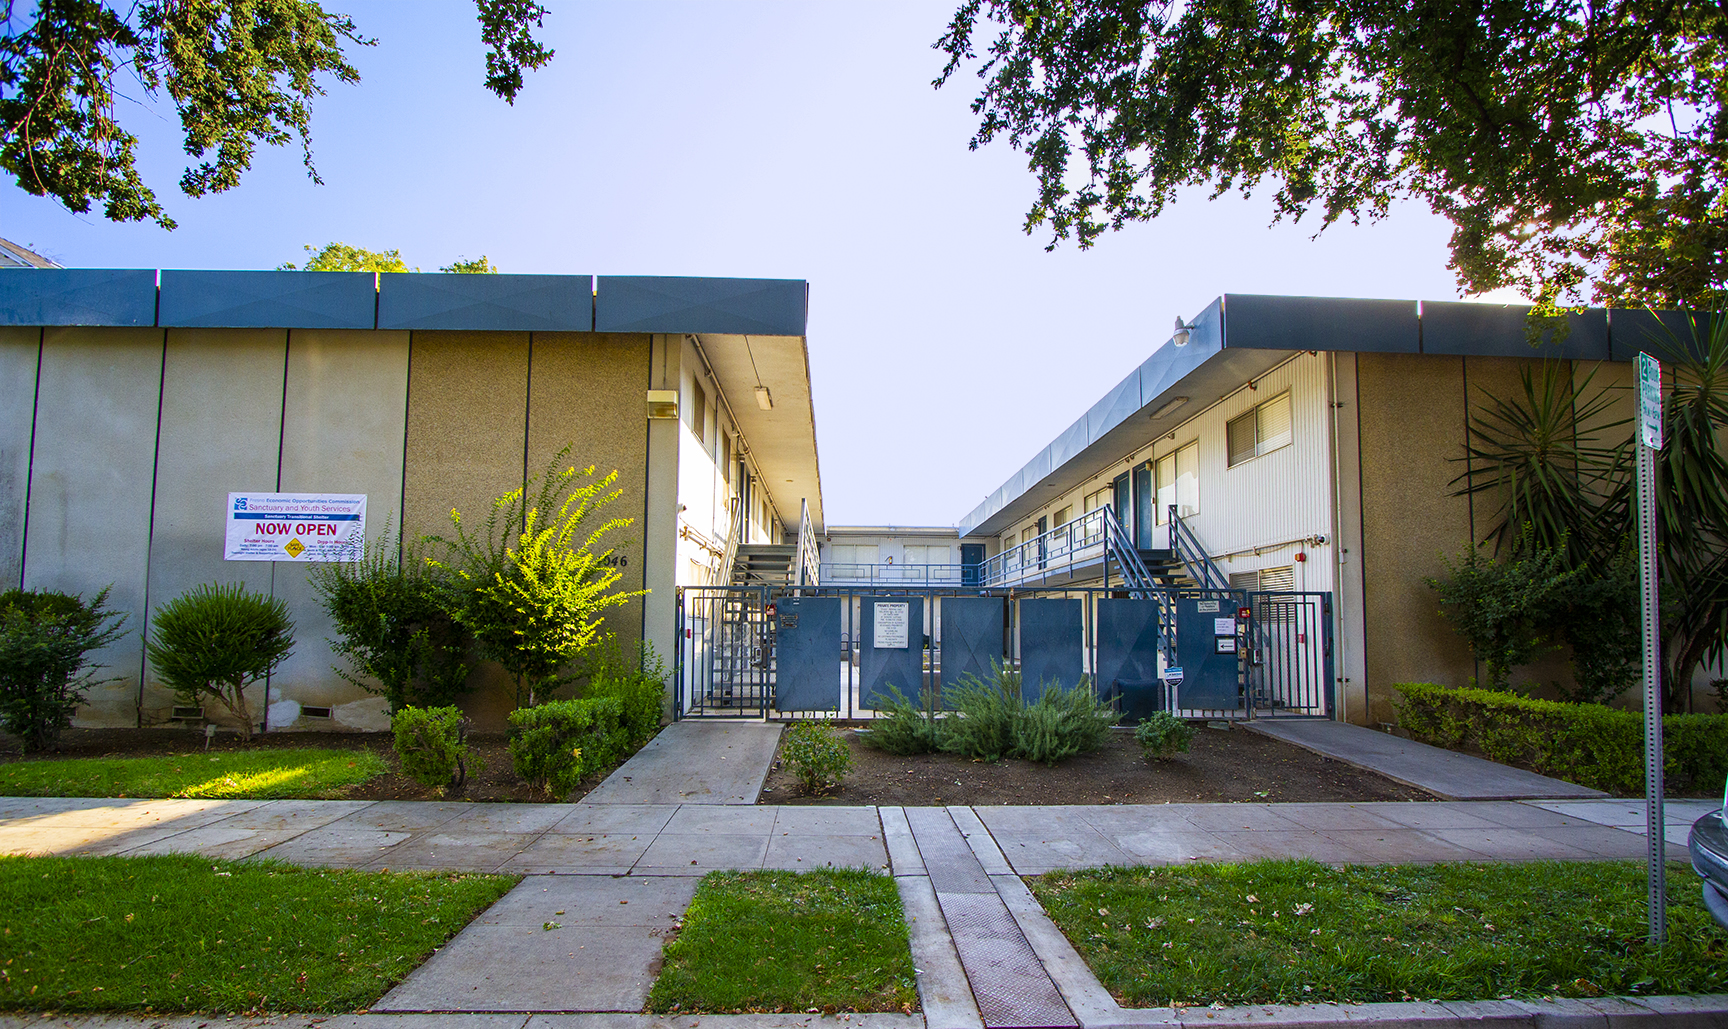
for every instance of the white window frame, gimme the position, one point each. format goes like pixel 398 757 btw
pixel 1264 442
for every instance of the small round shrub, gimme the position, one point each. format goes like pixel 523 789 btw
pixel 431 744
pixel 215 640
pixel 1162 735
pixel 817 755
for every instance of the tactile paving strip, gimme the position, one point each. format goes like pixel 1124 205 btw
pixel 1008 981
pixel 947 857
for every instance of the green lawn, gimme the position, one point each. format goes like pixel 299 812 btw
pixel 250 774
pixel 178 933
pixel 833 940
pixel 1297 931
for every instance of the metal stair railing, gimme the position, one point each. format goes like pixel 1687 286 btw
pixel 809 557
pixel 1187 549
pixel 729 560
pixel 1135 576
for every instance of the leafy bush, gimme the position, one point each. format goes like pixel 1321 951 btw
pixel 983 726
pixel 1588 744
pixel 1062 723
pixel 215 640
pixel 1162 735
pixel 394 623
pixel 991 721
pixel 431 744
pixel 817 754
pixel 639 685
pixel 1503 608
pixel 534 579
pixel 904 727
pixel 562 742
pixel 45 642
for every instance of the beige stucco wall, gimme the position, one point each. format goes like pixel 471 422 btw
pixel 98 394
pixel 345 411
pixel 1411 420
pixel 220 432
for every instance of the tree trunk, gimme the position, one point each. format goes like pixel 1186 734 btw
pixel 238 707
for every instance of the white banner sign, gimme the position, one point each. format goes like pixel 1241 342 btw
pixel 295 526
pixel 891 628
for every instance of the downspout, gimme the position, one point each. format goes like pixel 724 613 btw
pixel 1339 636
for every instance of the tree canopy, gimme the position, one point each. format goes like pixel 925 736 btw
pixel 340 257
pixel 239 73
pixel 1579 149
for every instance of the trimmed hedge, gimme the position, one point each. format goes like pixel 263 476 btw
pixel 560 743
pixel 1589 744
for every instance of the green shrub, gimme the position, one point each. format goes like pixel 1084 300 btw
pixel 1062 723
pixel 45 642
pixel 394 624
pixel 1162 735
pixel 817 754
pixel 560 743
pixel 982 727
pixel 1589 744
pixel 431 744
pixel 638 685
pixel 215 640
pixel 903 727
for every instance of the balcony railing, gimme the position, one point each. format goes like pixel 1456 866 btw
pixel 1057 552
pixel 841 573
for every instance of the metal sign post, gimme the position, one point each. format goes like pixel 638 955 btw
pixel 1655 829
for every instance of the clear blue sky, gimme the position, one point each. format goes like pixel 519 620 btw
pixel 795 139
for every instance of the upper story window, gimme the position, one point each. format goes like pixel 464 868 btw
pixel 699 411
pixel 1063 516
pixel 1260 431
pixel 1102 498
pixel 1178 479
pixel 726 457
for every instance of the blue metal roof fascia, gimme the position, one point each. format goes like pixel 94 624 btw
pixel 1066 446
pixel 1322 323
pixel 743 307
pixel 1115 407
pixel 1456 328
pixel 78 296
pixel 1631 333
pixel 268 300
pixel 486 303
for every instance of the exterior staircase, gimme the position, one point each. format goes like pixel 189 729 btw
pixel 1167 569
pixel 765 564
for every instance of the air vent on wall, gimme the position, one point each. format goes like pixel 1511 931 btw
pixel 315 712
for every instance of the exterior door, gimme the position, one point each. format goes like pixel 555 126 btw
pixel 1143 520
pixel 1124 500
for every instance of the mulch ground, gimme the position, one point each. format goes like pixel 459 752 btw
pixel 1221 765
pixel 490 776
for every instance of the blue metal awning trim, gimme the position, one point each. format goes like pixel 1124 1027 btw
pixel 78 296
pixel 268 300
pixel 660 303
pixel 486 303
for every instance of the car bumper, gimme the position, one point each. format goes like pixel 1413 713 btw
pixel 1709 846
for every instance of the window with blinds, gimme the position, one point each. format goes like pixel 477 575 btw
pixel 1260 431
pixel 1062 516
pixel 699 412
pixel 1265 579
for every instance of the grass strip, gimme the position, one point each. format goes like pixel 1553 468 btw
pixel 825 940
pixel 1298 931
pixel 181 933
pixel 309 774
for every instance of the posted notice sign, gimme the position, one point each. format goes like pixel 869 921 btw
pixel 295 526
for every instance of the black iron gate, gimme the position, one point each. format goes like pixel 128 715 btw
pixel 755 652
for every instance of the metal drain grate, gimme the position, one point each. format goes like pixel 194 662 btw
pixel 1008 981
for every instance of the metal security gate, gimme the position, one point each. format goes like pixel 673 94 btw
pixel 1289 658
pixel 756 652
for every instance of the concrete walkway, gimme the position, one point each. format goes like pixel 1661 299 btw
pixel 695 762
pixel 1444 773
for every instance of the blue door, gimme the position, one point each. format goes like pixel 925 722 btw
pixel 971 557
pixel 1123 497
pixel 1143 520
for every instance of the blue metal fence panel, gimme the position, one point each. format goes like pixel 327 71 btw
pixel 1052 645
pixel 503 303
pixel 662 303
pixel 1497 330
pixel 971 637
pixel 1211 671
pixel 268 300
pixel 882 667
pixel 1127 638
pixel 78 296
pixel 807 654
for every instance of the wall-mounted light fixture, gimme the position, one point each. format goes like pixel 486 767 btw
pixel 764 399
pixel 662 403
pixel 1180 338
pixel 1169 405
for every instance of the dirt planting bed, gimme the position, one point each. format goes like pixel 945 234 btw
pixel 1221 765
